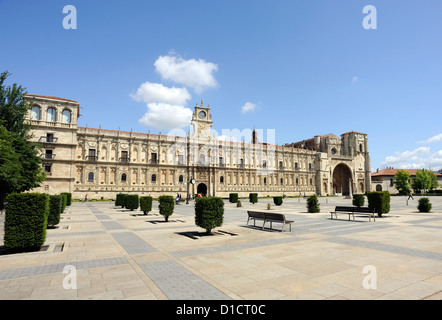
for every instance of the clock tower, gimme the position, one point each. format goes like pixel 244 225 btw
pixel 201 122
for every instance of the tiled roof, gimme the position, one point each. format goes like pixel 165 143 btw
pixel 392 172
pixel 50 97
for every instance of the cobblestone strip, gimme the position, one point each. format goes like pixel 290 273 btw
pixel 132 243
pixel 178 283
pixel 58 267
pixel 234 247
pixel 390 248
pixel 112 225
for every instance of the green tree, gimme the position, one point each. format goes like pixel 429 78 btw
pixel 20 165
pixel 402 181
pixel 425 180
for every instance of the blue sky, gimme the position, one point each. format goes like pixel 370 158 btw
pixel 302 68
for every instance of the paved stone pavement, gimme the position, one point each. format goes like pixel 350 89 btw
pixel 113 253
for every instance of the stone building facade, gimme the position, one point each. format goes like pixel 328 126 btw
pixel 101 162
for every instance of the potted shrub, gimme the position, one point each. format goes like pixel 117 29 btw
pixel 277 200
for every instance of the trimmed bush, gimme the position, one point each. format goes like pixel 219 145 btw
pixel 358 200
pixel 277 200
pixel 379 201
pixel 209 213
pixel 146 204
pixel 313 204
pixel 131 201
pixel 166 206
pixel 253 197
pixel 55 207
pixel 119 199
pixel 68 197
pixel 239 204
pixel 26 220
pixel 424 205
pixel 233 197
pixel 64 201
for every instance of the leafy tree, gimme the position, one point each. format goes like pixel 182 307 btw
pixel 402 181
pixel 20 165
pixel 425 180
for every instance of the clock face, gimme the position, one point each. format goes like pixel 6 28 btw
pixel 192 181
pixel 202 114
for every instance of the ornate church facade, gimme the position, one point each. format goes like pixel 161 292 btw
pixel 101 162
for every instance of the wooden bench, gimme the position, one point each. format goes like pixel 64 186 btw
pixel 352 210
pixel 269 217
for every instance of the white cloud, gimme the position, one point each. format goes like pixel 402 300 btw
pixel 165 106
pixel 436 138
pixel 196 74
pixel 248 107
pixel 166 116
pixel 417 159
pixel 157 93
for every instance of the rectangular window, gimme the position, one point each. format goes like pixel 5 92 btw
pixel 47 168
pixel 49 137
pixel 153 158
pixel 180 159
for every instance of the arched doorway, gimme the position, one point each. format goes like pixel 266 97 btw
pixel 202 188
pixel 342 179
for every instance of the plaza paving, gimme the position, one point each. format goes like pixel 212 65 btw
pixel 122 254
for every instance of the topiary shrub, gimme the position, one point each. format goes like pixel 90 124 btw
pixel 209 213
pixel 233 197
pixel 131 201
pixel 277 200
pixel 26 220
pixel 64 201
pixel 424 205
pixel 358 200
pixel 313 204
pixel 146 204
pixel 379 201
pixel 119 199
pixel 55 207
pixel 68 197
pixel 253 198
pixel 166 206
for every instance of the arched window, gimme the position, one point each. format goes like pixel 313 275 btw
pixel 333 151
pixel 66 116
pixel 221 179
pixel 265 180
pixel 360 147
pixel 51 116
pixel 154 178
pixel 180 179
pixel 35 113
pixel 282 181
pixel 123 177
pixel 90 176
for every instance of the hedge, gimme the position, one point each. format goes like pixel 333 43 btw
pixel 166 206
pixel 358 200
pixel 424 205
pixel 209 213
pixel 233 197
pixel 253 197
pixel 26 220
pixel 131 201
pixel 379 201
pixel 68 197
pixel 146 204
pixel 55 207
pixel 313 204
pixel 277 200
pixel 119 199
pixel 64 201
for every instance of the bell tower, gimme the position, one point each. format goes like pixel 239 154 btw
pixel 201 122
